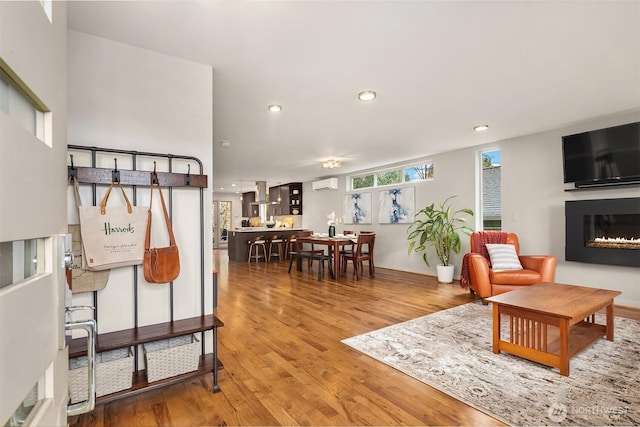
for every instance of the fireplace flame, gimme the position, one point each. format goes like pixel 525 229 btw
pixel 614 243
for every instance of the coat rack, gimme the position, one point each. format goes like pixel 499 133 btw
pixel 169 180
pixel 93 175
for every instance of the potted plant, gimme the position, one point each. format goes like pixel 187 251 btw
pixel 437 227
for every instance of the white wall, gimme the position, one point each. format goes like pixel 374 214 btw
pixel 124 97
pixel 533 199
pixel 32 206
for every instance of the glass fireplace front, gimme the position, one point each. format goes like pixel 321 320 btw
pixel 605 231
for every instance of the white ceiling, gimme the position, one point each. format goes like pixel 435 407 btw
pixel 439 68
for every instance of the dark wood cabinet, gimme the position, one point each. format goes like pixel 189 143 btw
pixel 274 201
pixel 279 199
pixel 249 210
pixel 285 199
pixel 295 198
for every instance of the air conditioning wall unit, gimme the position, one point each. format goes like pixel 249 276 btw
pixel 325 184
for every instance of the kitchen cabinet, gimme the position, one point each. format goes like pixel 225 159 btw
pixel 249 210
pixel 279 199
pixel 295 198
pixel 285 199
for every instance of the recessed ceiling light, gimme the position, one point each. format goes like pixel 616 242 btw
pixel 225 143
pixel 367 95
pixel 275 108
pixel 480 128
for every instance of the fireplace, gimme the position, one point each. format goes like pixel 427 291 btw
pixel 605 231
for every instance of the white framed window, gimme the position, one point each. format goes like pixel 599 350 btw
pixel 18 261
pixel 23 106
pixel 489 203
pixel 47 6
pixel 400 175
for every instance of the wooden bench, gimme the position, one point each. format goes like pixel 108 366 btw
pixel 312 255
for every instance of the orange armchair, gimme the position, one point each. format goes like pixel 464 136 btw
pixel 486 282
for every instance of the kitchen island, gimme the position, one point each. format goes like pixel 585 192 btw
pixel 238 240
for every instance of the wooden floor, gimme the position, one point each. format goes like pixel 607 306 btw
pixel 284 363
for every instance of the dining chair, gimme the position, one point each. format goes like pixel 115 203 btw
pixel 359 255
pixel 347 248
pixel 368 249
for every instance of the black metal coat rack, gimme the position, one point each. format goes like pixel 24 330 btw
pixel 169 180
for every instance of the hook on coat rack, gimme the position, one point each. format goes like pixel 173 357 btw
pixel 115 173
pixel 154 175
pixel 187 177
pixel 72 172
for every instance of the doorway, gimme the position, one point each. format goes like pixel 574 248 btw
pixel 221 223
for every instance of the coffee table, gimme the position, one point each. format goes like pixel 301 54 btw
pixel 549 323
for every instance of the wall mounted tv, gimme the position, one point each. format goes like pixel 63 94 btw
pixel 603 157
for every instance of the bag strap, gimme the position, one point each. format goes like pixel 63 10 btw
pixel 103 203
pixel 76 192
pixel 147 239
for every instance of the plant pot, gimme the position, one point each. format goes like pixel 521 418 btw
pixel 445 273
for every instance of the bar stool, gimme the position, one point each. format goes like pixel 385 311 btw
pixel 254 249
pixel 289 245
pixel 277 241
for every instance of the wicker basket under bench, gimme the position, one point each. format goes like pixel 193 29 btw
pixel 171 357
pixel 113 373
pixel 207 363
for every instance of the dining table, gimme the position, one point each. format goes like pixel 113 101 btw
pixel 333 244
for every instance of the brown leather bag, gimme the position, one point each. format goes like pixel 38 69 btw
pixel 161 265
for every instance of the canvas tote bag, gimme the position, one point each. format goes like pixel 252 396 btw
pixel 112 236
pixel 83 280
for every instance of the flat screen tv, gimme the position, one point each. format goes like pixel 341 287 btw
pixel 602 157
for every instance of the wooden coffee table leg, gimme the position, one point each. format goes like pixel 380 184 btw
pixel 564 347
pixel 496 328
pixel 609 324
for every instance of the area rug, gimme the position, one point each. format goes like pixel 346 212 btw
pixel 451 351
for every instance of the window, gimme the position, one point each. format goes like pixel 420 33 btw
pixel 402 175
pixel 47 7
pixel 21 414
pixel 418 173
pixel 387 178
pixel 365 181
pixel 490 196
pixel 18 261
pixel 19 103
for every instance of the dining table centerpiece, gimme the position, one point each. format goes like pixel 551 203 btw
pixel 332 224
